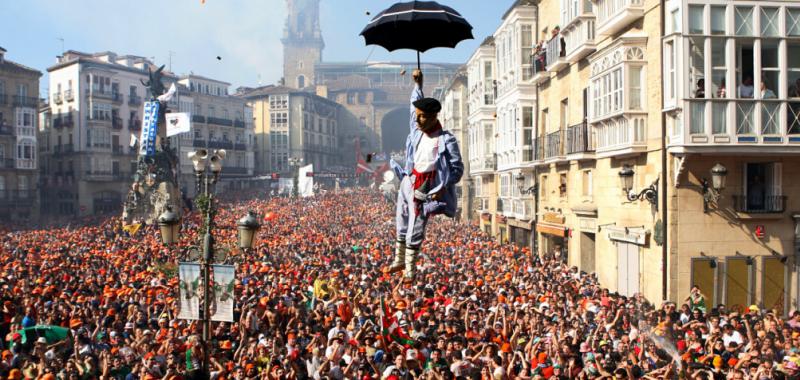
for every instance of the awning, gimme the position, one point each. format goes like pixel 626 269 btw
pixel 551 229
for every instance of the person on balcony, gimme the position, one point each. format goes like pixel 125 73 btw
pixel 766 93
pixel 701 89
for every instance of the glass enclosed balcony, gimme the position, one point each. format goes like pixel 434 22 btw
pixel 614 15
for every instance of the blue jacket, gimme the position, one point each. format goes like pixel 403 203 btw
pixel 449 167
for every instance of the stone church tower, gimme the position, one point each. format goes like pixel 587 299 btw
pixel 302 43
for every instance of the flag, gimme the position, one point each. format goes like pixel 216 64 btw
pixel 320 288
pixel 391 327
pixel 167 96
pixel 132 229
pixel 177 123
pixel 134 140
pixel 149 129
pixel 305 184
pixel 223 290
pixel 188 287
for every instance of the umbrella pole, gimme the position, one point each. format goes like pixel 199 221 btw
pixel 418 67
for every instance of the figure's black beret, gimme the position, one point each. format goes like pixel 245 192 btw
pixel 428 105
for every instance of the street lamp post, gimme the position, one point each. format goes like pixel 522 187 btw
pixel 207 167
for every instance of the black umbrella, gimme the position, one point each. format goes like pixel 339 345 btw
pixel 417 25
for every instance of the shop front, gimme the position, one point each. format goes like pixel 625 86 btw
pixel 554 236
pixel 502 228
pixel 486 223
pixel 520 233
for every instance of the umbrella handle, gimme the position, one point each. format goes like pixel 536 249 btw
pixel 418 67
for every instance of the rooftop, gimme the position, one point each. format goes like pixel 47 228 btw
pixel 200 77
pixel 519 3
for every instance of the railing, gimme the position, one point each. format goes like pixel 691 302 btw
pixel 539 64
pixel 199 143
pixel 220 144
pixel 119 150
pixel 98 175
pixel 220 121
pixel 198 119
pixel 57 98
pixel 579 139
pixel 556 53
pixel 752 204
pixel 134 100
pixel 240 146
pixel 25 101
pixel 613 15
pixel 134 124
pixel 7 163
pixel 116 122
pixel 116 97
pixel 554 147
pixel 579 39
pixel 69 95
pixel 6 129
pixel 238 123
pixel 538 148
pixel 100 94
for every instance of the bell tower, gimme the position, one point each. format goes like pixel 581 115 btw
pixel 302 43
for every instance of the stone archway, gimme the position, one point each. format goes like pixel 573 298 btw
pixel 394 129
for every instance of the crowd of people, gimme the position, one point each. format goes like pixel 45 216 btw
pixel 312 302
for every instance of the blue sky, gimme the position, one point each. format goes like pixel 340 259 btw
pixel 245 33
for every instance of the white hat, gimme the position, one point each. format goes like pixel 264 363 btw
pixel 41 340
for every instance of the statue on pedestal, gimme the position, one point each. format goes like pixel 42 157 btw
pixel 155 183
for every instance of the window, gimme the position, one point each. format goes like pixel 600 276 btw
pixel 762 187
pixel 635 88
pixel 526 46
pixel 543 187
pixel 562 184
pixel 564 114
pixel 793 67
pixel 22 90
pixel 670 62
pixel 718 19
pixel 278 101
pixel 301 81
pixel 607 91
pixel 101 111
pixel 697 67
pixel 696 19
pixel 718 68
pixel 587 183
pixel 769 69
pixel 769 21
pixel 743 20
pixel 793 22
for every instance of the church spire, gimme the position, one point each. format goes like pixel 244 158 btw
pixel 302 43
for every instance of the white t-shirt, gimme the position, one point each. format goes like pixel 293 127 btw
pixel 735 336
pixel 425 154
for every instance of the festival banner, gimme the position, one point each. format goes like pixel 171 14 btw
pixel 147 139
pixel 223 293
pixel 189 286
pixel 177 123
pixel 305 183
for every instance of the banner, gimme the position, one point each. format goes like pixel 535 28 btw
pixel 149 129
pixel 178 123
pixel 305 183
pixel 190 292
pixel 223 293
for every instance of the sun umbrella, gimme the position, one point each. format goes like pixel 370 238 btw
pixel 417 25
pixel 51 333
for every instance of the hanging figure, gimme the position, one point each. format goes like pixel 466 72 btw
pixel 428 179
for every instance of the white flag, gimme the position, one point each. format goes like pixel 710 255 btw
pixel 169 94
pixel 223 290
pixel 134 140
pixel 305 181
pixel 178 122
pixel 189 290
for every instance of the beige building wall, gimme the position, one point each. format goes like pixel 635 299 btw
pixel 591 205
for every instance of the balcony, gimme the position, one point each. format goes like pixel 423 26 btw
pixel 768 204
pixel 580 143
pixel 97 94
pixel 220 121
pixel 100 120
pixel 579 38
pixel 738 126
pixel 6 130
pixel 63 120
pixel 234 170
pixel 116 122
pixel 554 149
pixel 614 15
pixel 118 98
pixel 134 100
pixel 220 145
pixel 198 119
pixel 57 99
pixel 540 73
pixel 239 146
pixel 538 148
pixel 622 135
pixel 523 209
pixel 238 123
pixel 483 165
pixel 134 124
pixel 3 99
pixel 69 95
pixel 25 101
pixel 7 163
pixel 556 54
pixel 199 143
pixel 98 175
pixel 63 149
pixel 119 150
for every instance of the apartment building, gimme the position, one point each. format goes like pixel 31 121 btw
pixel 454 118
pixel 291 125
pixel 481 131
pixel 19 101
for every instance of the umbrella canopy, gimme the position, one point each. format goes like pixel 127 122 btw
pixel 417 25
pixel 51 333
